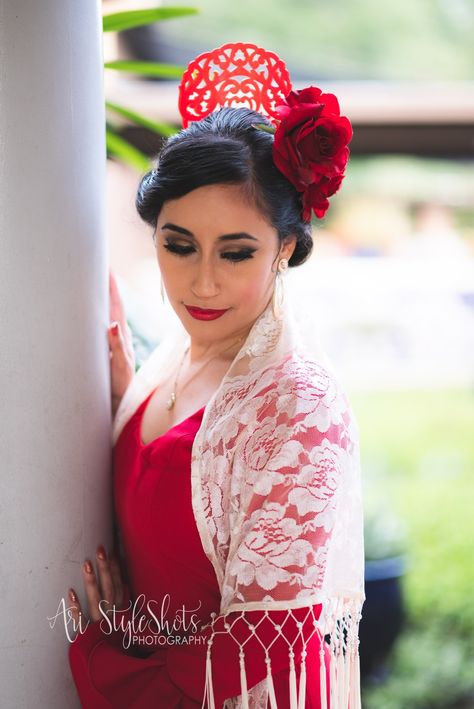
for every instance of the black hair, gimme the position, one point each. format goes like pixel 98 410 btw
pixel 224 148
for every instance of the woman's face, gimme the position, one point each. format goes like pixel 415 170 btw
pixel 202 269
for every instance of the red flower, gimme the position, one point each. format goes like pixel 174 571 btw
pixel 310 146
pixel 315 197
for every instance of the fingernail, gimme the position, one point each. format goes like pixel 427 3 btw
pixel 72 595
pixel 88 567
pixel 114 328
pixel 101 553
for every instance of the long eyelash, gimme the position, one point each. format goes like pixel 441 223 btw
pixel 178 250
pixel 233 257
pixel 237 256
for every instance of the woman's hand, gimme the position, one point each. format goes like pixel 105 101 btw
pixel 122 355
pixel 107 586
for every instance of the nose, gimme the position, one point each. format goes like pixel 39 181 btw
pixel 204 283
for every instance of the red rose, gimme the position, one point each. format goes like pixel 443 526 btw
pixel 315 197
pixel 310 145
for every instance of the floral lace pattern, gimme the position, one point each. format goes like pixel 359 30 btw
pixel 286 475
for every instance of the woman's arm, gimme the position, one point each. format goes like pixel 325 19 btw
pixel 108 671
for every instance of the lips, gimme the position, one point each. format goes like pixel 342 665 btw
pixel 205 313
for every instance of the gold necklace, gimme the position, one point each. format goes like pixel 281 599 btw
pixel 171 401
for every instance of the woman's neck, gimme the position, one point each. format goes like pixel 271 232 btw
pixel 224 350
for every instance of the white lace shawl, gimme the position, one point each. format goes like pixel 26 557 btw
pixel 276 495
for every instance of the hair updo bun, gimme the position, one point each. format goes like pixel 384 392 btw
pixel 224 148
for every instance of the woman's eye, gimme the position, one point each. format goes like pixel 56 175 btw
pixel 179 250
pixel 233 256
pixel 238 255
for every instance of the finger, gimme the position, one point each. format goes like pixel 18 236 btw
pixel 92 590
pixel 117 311
pixel 120 345
pixel 116 308
pixel 117 345
pixel 106 583
pixel 74 607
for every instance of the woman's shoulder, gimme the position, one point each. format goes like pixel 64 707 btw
pixel 298 390
pixel 300 376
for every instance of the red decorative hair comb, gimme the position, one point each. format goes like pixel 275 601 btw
pixel 236 74
pixel 310 135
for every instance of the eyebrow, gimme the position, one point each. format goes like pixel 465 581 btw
pixel 224 237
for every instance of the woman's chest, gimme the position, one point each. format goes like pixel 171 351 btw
pixel 159 416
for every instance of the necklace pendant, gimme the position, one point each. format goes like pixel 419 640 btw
pixel 171 400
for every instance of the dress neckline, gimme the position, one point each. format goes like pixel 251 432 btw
pixel 166 433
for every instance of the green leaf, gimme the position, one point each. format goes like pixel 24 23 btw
pixel 122 149
pixel 119 21
pixel 146 68
pixel 155 126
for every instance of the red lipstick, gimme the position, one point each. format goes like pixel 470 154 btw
pixel 205 313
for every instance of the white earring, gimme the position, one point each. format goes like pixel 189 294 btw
pixel 162 291
pixel 278 297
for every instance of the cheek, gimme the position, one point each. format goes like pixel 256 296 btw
pixel 173 272
pixel 254 285
pixel 251 291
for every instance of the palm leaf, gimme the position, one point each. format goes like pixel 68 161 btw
pixel 157 127
pixel 119 147
pixel 146 68
pixel 119 21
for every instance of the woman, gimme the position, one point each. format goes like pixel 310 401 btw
pixel 235 458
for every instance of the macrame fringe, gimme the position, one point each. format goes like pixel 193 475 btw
pixel 344 662
pixel 339 663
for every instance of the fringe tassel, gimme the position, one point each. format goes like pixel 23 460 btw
pixel 209 690
pixel 340 679
pixel 322 678
pixel 293 697
pixel 347 678
pixel 353 696
pixel 270 686
pixel 357 703
pixel 243 681
pixel 355 700
pixel 332 681
pixel 354 665
pixel 302 689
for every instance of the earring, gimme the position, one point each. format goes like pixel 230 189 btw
pixel 162 291
pixel 278 297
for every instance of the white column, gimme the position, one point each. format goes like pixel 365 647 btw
pixel 55 495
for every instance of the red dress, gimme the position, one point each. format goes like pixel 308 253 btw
pixel 166 563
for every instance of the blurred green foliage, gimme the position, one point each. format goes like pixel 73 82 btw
pixel 431 669
pixel 422 442
pixel 117 146
pixel 367 39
